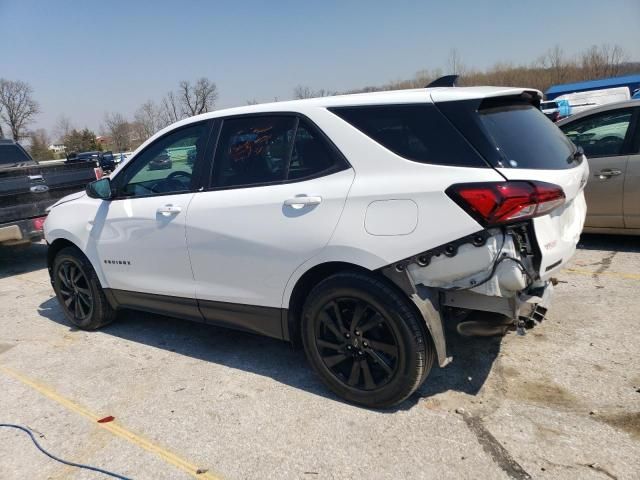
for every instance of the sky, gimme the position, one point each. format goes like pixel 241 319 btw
pixel 86 58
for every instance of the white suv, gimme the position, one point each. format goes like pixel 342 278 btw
pixel 353 224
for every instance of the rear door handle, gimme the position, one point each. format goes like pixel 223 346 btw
pixel 167 210
pixel 607 173
pixel 303 201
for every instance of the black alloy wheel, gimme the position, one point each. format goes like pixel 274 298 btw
pixel 75 291
pixel 356 343
pixel 366 339
pixel 78 289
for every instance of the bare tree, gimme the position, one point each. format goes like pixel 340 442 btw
pixel 62 128
pixel 198 98
pixel 169 110
pixel 454 62
pixel 119 129
pixel 18 106
pixel 555 61
pixel 603 61
pixel 148 119
pixel 253 101
pixel 304 91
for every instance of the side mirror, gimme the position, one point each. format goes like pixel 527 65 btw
pixel 100 189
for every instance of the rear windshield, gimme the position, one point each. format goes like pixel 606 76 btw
pixel 526 138
pixel 10 154
pixel 415 132
pixel 512 134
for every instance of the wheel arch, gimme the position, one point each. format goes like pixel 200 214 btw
pixel 310 278
pixel 62 242
pixel 301 289
pixel 54 247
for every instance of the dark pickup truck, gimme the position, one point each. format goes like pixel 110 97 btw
pixel 28 188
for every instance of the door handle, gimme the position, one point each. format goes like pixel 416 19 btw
pixel 303 201
pixel 607 173
pixel 167 210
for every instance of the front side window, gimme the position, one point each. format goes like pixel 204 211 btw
pixel 165 166
pixel 600 135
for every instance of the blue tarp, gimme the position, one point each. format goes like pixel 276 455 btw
pixel 630 81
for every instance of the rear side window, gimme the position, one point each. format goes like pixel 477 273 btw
pixel 311 154
pixel 253 150
pixel 10 154
pixel 415 132
pixel 263 150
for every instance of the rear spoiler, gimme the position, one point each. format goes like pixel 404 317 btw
pixel 528 96
pixel 446 81
pixel 478 94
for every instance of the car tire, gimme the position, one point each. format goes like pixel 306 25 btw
pixel 79 292
pixel 365 340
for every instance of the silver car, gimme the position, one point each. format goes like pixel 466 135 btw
pixel 610 138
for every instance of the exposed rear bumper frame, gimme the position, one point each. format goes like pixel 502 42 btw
pixel 430 301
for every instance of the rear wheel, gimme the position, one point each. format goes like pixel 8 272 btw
pixel 365 341
pixel 79 292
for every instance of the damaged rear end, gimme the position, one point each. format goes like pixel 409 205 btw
pixel 529 223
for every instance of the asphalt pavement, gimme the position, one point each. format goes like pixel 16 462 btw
pixel 561 402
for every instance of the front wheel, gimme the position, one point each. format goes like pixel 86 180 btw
pixel 365 340
pixel 79 292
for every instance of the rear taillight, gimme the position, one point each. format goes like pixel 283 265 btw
pixel 38 223
pixel 496 203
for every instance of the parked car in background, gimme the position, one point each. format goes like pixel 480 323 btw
pixel 353 225
pixel 161 162
pixel 27 189
pixel 105 160
pixel 610 138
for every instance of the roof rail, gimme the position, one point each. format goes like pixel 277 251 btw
pixel 446 81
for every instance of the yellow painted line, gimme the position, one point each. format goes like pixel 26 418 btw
pixel 112 427
pixel 630 276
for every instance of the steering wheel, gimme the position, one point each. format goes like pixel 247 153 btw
pixel 178 173
pixel 172 183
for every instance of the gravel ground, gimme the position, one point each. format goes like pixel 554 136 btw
pixel 561 402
